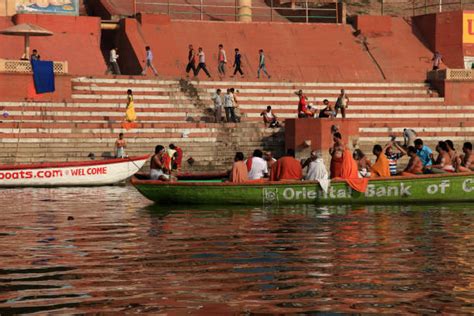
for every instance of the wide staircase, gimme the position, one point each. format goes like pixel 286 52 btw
pixel 178 111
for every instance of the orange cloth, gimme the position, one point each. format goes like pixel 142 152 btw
pixel 381 168
pixel 239 172
pixel 286 168
pixel 350 173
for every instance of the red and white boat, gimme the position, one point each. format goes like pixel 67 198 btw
pixel 84 173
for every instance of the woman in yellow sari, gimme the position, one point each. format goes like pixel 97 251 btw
pixel 130 115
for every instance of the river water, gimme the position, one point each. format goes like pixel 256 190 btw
pixel 108 250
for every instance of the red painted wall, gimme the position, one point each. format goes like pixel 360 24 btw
pixel 299 52
pixel 443 32
pixel 75 39
pixel 369 24
pixel 318 131
pixel 131 45
pixel 456 92
pixel 20 87
pixel 396 47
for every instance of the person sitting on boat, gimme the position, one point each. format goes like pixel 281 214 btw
pixel 177 157
pixel 414 166
pixel 393 157
pixel 268 157
pixel 257 167
pixel 443 162
pixel 287 168
pixel 120 145
pixel 336 152
pixel 158 170
pixel 381 167
pixel 452 151
pixel 239 171
pixel 425 154
pixel 465 162
pixel 363 163
pixel 316 170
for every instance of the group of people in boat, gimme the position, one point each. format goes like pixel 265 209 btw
pixel 421 159
pixel 165 161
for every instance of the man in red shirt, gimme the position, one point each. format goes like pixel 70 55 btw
pixel 286 168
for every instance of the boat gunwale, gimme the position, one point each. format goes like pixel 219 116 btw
pixel 43 165
pixel 135 181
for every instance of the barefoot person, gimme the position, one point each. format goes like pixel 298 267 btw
pixel 239 171
pixel 414 166
pixel 120 145
pixel 336 152
pixel 465 162
pixel 157 169
pixel 130 115
pixel 381 167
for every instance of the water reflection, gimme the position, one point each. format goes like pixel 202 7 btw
pixel 120 254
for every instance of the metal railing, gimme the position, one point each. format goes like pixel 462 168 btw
pixel 24 66
pixel 228 10
pixel 406 8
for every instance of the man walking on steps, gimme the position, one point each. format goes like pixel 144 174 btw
pixel 221 61
pixel 149 62
pixel 191 60
pixel 238 63
pixel 261 64
pixel 113 67
pixel 202 63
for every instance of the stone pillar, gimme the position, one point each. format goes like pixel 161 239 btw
pixel 245 10
pixel 7 7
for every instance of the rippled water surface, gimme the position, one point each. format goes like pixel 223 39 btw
pixel 93 250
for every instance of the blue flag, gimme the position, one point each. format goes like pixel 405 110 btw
pixel 43 76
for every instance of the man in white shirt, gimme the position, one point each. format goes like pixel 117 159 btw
pixel 317 170
pixel 217 98
pixel 256 166
pixel 149 62
pixel 202 63
pixel 114 67
pixel 229 106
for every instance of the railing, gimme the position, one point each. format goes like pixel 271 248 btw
pixel 436 6
pixel 24 66
pixel 451 75
pixel 407 8
pixel 228 10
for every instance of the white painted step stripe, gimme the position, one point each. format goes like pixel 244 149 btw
pixel 95 140
pixel 253 98
pixel 384 140
pixel 107 130
pixel 252 91
pixel 383 115
pixel 251 83
pixel 100 105
pixel 117 113
pixel 385 107
pixel 399 130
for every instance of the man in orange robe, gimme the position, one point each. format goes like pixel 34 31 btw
pixel 381 167
pixel 239 171
pixel 286 168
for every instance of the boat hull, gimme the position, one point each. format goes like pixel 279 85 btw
pixel 90 173
pixel 432 188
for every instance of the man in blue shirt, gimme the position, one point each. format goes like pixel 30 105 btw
pixel 425 154
pixel 238 63
pixel 149 62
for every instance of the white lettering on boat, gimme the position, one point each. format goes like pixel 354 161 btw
pixel 438 188
pixel 468 185
pixel 391 190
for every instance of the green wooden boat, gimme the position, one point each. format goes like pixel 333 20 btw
pixel 418 189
